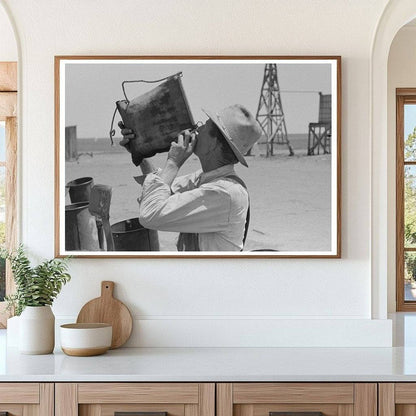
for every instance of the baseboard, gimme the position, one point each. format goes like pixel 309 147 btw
pixel 166 332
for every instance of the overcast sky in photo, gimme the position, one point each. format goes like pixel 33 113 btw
pixel 91 90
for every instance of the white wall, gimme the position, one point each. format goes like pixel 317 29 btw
pixel 179 302
pixel 8 47
pixel 401 74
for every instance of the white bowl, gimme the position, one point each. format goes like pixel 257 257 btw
pixel 83 340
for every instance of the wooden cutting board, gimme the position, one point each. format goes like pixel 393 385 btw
pixel 107 309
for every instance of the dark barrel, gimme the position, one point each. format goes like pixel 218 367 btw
pixel 80 228
pixel 80 189
pixel 130 235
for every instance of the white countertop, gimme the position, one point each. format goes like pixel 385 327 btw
pixel 213 364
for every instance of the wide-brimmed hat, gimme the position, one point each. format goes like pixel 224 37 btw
pixel 239 128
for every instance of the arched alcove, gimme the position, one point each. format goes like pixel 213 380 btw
pixel 9 57
pixel 396 14
pixel 401 73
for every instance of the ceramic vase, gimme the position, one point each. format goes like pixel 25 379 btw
pixel 37 330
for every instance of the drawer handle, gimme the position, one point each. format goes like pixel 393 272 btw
pixel 138 414
pixel 296 414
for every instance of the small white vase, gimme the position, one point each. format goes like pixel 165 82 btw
pixel 37 330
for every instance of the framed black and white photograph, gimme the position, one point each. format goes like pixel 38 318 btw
pixel 198 156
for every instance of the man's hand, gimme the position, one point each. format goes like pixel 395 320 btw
pixel 180 151
pixel 146 165
pixel 127 136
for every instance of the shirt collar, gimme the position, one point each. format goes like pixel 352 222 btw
pixel 216 173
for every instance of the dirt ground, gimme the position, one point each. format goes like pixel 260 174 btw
pixel 290 196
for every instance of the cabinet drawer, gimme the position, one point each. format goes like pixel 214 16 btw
pixel 19 393
pixel 108 399
pixel 297 399
pixel 138 393
pixel 21 399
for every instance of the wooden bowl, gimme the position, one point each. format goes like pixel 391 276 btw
pixel 84 340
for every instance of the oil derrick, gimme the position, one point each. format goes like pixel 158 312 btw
pixel 270 111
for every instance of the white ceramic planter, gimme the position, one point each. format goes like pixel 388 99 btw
pixel 37 330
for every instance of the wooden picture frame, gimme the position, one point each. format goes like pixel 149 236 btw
pixel 295 187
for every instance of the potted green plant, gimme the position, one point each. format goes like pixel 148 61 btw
pixel 36 289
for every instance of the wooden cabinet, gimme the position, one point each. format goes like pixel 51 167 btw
pixel 397 399
pixel 27 399
pixel 208 399
pixel 106 399
pixel 263 399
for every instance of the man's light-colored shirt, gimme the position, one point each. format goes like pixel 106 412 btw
pixel 207 203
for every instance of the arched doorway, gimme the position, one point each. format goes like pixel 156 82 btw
pixel 8 148
pixel 396 14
